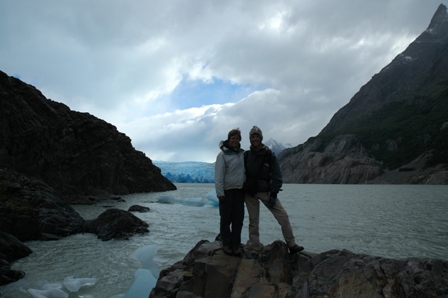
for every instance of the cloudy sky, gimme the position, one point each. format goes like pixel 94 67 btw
pixel 176 75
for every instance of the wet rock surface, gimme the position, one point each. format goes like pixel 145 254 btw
pixel 207 272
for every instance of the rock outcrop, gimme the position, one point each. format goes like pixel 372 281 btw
pixel 207 272
pixel 138 208
pixel 32 210
pixel 75 153
pixel 116 224
pixel 343 160
pixel 11 249
pixel 397 119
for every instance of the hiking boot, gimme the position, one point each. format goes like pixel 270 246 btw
pixel 295 249
pixel 237 251
pixel 227 250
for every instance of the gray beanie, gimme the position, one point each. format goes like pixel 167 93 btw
pixel 256 130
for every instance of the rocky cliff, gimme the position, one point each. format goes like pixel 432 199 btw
pixel 207 272
pixel 75 153
pixel 394 130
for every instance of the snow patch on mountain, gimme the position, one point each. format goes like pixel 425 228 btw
pixel 277 147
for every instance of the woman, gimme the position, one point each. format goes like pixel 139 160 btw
pixel 229 180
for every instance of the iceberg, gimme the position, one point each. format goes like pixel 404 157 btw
pixel 74 284
pixel 49 292
pixel 193 201
pixel 143 283
pixel 145 255
pixel 166 199
pixel 53 290
pixel 212 199
pixel 146 277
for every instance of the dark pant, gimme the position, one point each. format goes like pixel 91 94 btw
pixel 231 210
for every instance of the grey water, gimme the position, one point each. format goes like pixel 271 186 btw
pixel 394 221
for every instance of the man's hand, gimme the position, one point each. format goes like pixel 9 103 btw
pixel 221 198
pixel 271 202
pixel 272 199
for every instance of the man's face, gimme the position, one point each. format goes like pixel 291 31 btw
pixel 234 141
pixel 255 140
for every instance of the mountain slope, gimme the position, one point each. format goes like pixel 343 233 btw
pixel 396 122
pixel 75 153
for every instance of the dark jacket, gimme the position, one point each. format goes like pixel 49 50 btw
pixel 268 175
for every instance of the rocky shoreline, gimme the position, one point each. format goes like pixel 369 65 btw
pixel 207 272
pixel 32 210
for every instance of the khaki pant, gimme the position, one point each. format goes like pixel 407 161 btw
pixel 253 208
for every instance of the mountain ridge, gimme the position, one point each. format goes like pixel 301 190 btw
pixel 393 130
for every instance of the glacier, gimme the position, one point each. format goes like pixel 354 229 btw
pixel 202 172
pixel 187 172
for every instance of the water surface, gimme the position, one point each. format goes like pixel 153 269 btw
pixel 395 221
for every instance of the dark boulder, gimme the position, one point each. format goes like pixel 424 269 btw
pixel 207 272
pixel 32 210
pixel 116 224
pixel 11 249
pixel 137 208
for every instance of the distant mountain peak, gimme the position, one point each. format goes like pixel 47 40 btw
pixel 439 20
pixel 276 147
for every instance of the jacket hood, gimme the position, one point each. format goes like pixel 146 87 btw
pixel 224 146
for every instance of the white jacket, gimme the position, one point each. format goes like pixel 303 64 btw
pixel 229 169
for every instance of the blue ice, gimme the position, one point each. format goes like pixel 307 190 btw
pixel 211 198
pixel 166 199
pixel 169 199
pixel 54 290
pixel 146 277
pixel 193 201
pixel 74 284
pixel 49 291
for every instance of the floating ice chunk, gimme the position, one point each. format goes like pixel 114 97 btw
pixel 166 199
pixel 143 284
pixel 48 293
pixel 74 284
pixel 54 285
pixel 146 277
pixel 211 198
pixel 193 201
pixel 145 255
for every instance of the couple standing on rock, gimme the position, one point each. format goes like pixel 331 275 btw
pixel 248 176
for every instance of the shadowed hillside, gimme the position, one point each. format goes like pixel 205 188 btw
pixel 75 153
pixel 394 130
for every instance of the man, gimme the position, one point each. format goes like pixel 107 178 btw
pixel 263 182
pixel 229 180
